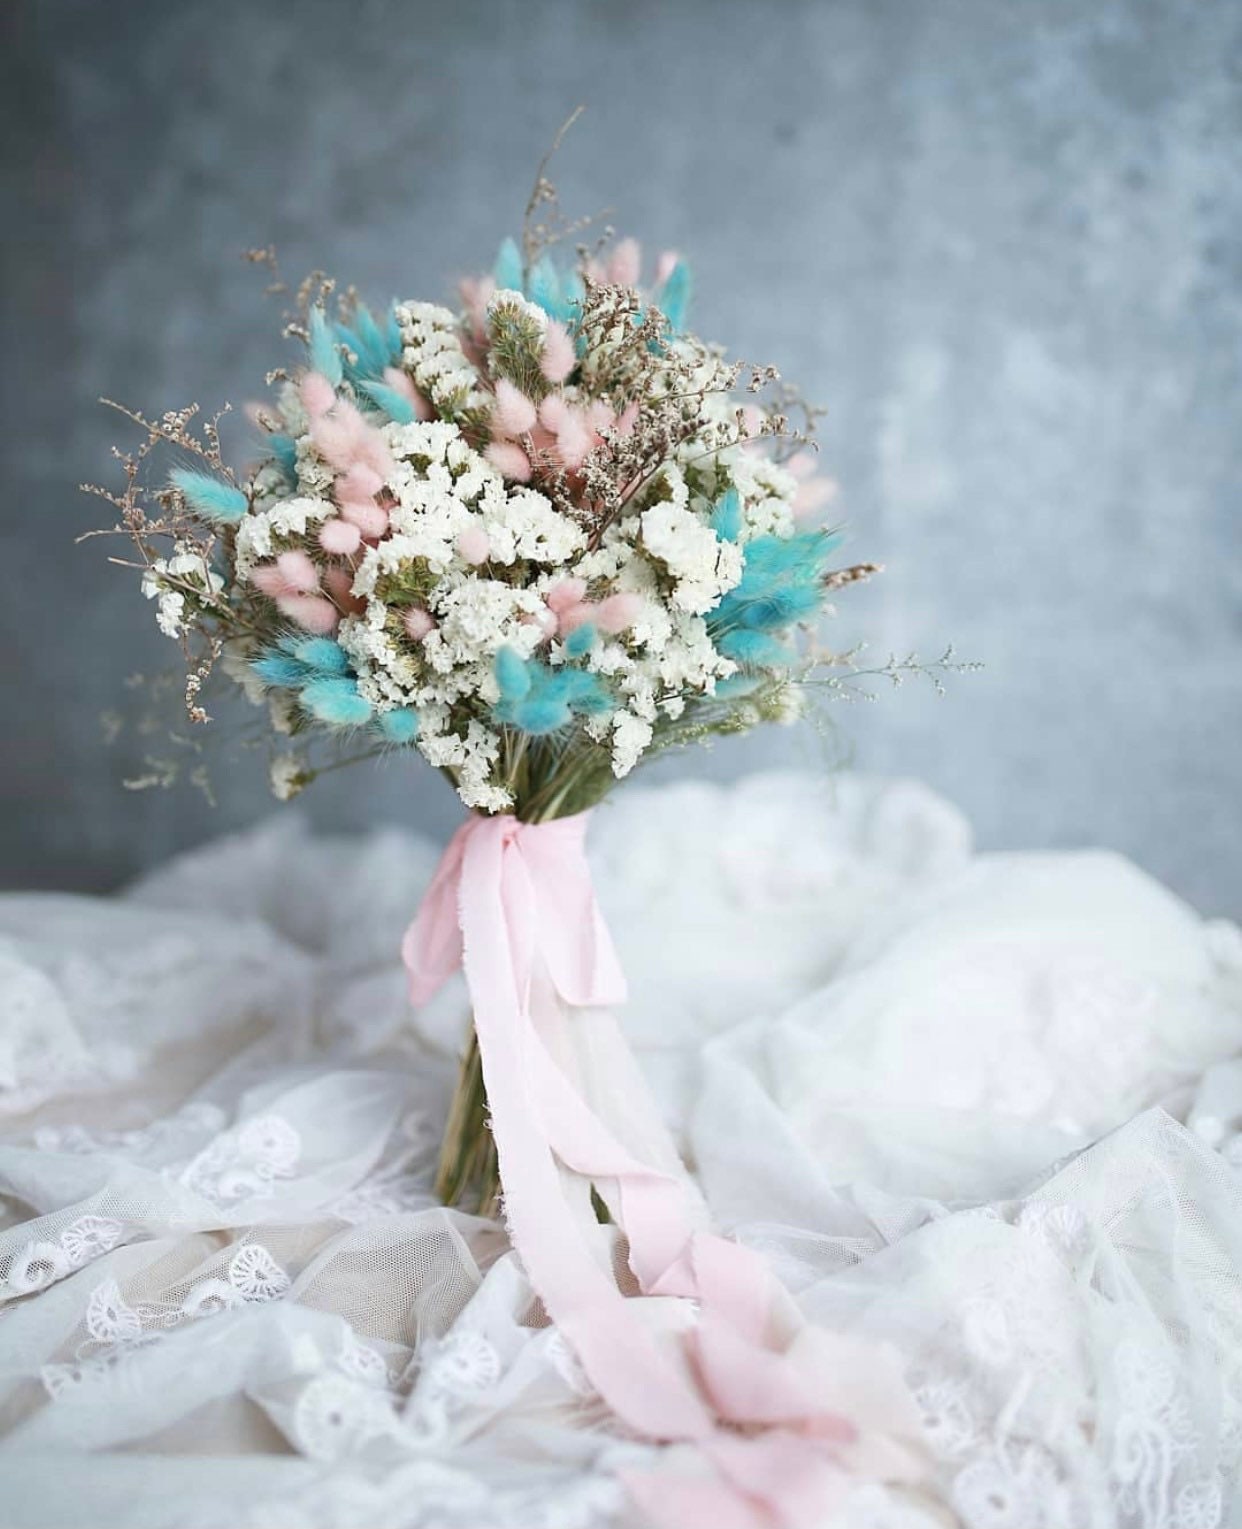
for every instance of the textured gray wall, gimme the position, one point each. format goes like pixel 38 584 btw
pixel 1002 240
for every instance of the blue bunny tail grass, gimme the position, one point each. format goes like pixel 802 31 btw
pixel 727 516
pixel 336 702
pixel 322 349
pixel 507 272
pixel 755 650
pixel 540 715
pixel 320 654
pixel 284 451
pixel 398 408
pixel 673 298
pixel 279 670
pixel 581 640
pixel 399 726
pixel 210 497
pixel 513 675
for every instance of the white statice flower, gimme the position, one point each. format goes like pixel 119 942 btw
pixel 507 302
pixel 470 755
pixel 477 617
pixel 188 567
pixel 433 355
pixel 631 736
pixel 703 567
pixel 767 492
pixel 525 524
pixel 288 774
pixel 387 674
pixel 258 532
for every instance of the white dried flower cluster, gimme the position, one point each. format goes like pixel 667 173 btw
pixel 160 581
pixel 533 541
pixel 434 358
pixel 666 559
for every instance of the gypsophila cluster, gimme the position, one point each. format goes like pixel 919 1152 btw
pixel 536 539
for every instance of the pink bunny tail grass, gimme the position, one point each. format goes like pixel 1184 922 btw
pixel 370 518
pixel 311 612
pixel 339 537
pixel 472 545
pixel 553 412
pixel 814 495
pixel 339 583
pixel 617 613
pixel 269 579
pixel 574 441
pixel 565 594
pixel 664 266
pixel 417 623
pixel 399 382
pixel 513 413
pixel 317 394
pixel 509 460
pixel 359 482
pixel 574 616
pixel 476 293
pixel 559 357
pixel 626 263
pixel 626 420
pixel 298 571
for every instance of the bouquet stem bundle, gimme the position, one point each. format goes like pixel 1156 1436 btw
pixel 468 1174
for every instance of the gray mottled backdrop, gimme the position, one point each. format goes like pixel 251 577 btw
pixel 1000 239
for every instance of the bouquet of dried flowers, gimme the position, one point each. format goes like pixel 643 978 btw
pixel 537 539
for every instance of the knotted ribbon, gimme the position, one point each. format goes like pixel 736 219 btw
pixel 761 1395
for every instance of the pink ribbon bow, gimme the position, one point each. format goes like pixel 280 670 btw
pixel 754 1389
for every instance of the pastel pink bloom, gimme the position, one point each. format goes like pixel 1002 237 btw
pixel 553 412
pixel 345 438
pixel 564 594
pixel 617 613
pixel 513 413
pixel 600 415
pixel 625 264
pixel 370 518
pixel 574 616
pixel 417 623
pixel 574 437
pixel 339 537
pixel 399 382
pixel 293 573
pixel 814 492
pixel 317 393
pixel 626 420
pixel 268 578
pixel 509 460
pixel 559 357
pixel 664 266
pixel 359 482
pixel 476 293
pixel 339 583
pixel 298 571
pixel 312 612
pixel 472 545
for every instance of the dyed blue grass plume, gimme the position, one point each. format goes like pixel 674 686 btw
pixel 210 497
pixel 540 700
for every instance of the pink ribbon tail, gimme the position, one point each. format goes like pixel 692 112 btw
pixel 513 904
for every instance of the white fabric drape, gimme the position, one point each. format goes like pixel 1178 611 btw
pixel 984 1107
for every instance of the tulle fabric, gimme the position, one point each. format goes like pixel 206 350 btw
pixel 984 1108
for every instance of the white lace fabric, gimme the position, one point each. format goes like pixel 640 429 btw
pixel 986 1109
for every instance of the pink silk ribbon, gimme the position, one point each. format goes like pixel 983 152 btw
pixel 761 1395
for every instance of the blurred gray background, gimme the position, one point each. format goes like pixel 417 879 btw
pixel 1000 240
